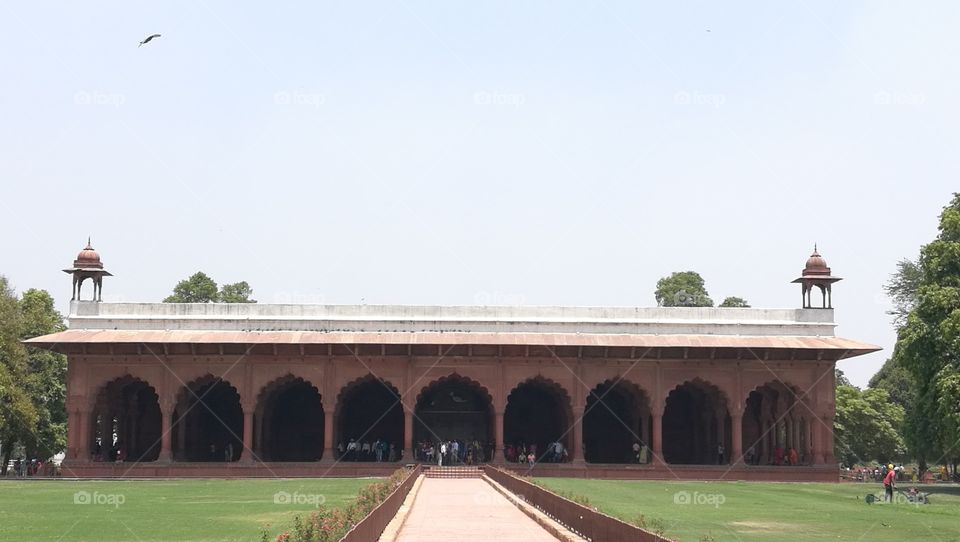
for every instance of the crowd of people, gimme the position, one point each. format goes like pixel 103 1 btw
pixel 555 452
pixel 22 468
pixel 789 456
pixel 378 451
pixel 452 452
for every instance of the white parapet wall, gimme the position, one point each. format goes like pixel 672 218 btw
pixel 88 315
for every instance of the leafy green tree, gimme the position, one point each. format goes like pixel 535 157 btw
pixel 902 290
pixel 238 292
pixel 734 302
pixel 48 374
pixel 840 378
pixel 867 426
pixel 929 342
pixel 896 379
pixel 32 382
pixel 682 289
pixel 199 288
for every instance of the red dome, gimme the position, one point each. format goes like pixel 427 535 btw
pixel 816 265
pixel 88 258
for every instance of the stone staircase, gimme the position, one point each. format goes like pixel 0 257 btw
pixel 459 471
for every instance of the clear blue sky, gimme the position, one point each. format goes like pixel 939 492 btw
pixel 463 152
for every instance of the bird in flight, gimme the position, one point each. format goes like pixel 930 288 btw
pixel 150 37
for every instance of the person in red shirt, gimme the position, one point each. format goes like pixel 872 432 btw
pixel 888 483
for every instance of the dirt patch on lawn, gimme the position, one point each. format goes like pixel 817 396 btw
pixel 761 527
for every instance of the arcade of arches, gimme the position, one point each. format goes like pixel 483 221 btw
pixel 290 420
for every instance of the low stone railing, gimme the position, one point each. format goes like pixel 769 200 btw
pixel 373 525
pixel 579 519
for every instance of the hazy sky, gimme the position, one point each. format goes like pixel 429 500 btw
pixel 542 153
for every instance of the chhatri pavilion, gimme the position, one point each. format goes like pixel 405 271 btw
pixel 166 389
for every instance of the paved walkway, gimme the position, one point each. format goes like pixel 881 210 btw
pixel 467 509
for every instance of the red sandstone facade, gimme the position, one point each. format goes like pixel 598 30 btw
pixel 261 390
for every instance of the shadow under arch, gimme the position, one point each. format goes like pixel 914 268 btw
pixel 538 414
pixel 207 422
pixel 455 407
pixel 368 411
pixel 776 420
pixel 696 424
pixel 289 421
pixel 616 417
pixel 126 421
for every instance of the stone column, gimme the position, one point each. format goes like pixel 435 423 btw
pixel 247 455
pixel 736 435
pixel 578 435
pixel 499 443
pixel 408 452
pixel 166 428
pixel 827 430
pixel 656 435
pixel 328 439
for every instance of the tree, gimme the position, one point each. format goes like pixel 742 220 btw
pixel 840 379
pixel 238 292
pixel 734 302
pixel 199 288
pixel 867 426
pixel 32 382
pixel 928 341
pixel 902 290
pixel 682 289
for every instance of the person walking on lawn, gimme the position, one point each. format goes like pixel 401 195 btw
pixel 888 481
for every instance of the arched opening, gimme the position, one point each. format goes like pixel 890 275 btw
pixel 538 414
pixel 696 424
pixel 775 427
pixel 290 414
pixel 126 422
pixel 208 422
pixel 454 408
pixel 369 421
pixel 615 423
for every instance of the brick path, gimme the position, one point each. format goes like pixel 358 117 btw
pixel 467 509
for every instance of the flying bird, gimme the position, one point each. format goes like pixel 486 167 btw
pixel 150 37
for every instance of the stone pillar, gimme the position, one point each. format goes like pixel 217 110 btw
pixel 736 435
pixel 247 455
pixel 499 443
pixel 578 435
pixel 408 452
pixel 826 431
pixel 166 428
pixel 721 434
pixel 328 440
pixel 656 436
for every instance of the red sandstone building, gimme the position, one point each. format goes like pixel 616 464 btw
pixel 272 390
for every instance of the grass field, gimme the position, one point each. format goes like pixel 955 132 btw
pixel 772 511
pixel 159 510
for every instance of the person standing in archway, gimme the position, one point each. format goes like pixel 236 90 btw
pixel 720 451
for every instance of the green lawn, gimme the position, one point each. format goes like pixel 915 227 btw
pixel 154 510
pixel 773 511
